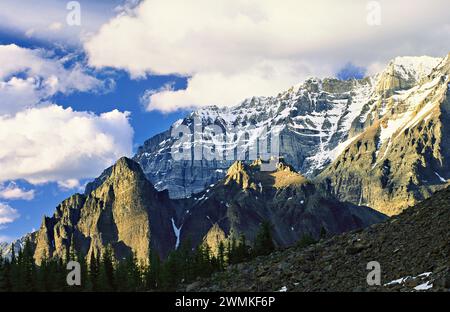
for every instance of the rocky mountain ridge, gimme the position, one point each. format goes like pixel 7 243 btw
pixel 403 156
pixel 246 197
pixel 412 250
pixel 126 213
pixel 395 119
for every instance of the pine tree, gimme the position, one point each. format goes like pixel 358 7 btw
pixel 94 267
pixel 170 273
pixel 106 272
pixel 263 244
pixel 133 272
pixel 323 233
pixel 305 241
pixel 243 252
pixel 61 274
pixel 221 256
pixel 2 273
pixel 153 271
pixel 85 280
pixel 28 268
pixel 42 276
pixel 13 270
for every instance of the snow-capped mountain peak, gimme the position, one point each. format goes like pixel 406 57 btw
pixel 315 120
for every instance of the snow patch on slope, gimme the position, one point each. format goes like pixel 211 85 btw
pixel 177 232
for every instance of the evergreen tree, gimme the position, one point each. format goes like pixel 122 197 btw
pixel 305 241
pixel 6 280
pixel 170 272
pixel 2 273
pixel 243 250
pixel 85 280
pixel 128 274
pixel 153 271
pixel 94 267
pixel 221 256
pixel 28 268
pixel 106 271
pixel 263 242
pixel 323 233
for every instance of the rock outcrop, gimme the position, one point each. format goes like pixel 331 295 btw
pixel 412 250
pixel 124 212
pixel 310 121
pixel 403 157
pixel 246 197
pixel 379 141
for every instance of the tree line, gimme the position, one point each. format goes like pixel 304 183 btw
pixel 19 272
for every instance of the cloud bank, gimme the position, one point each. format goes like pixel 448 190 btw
pixel 42 142
pixel 28 77
pixel 7 214
pixel 231 50
pixel 56 144
pixel 13 192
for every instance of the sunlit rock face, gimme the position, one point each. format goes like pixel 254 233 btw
pixel 376 141
pixel 124 212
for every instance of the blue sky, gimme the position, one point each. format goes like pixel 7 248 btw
pixel 124 96
pixel 74 98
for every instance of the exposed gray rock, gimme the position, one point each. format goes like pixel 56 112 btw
pixel 411 248
pixel 317 123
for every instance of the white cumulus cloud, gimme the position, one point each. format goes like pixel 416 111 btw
pixel 13 192
pixel 7 214
pixel 30 76
pixel 42 142
pixel 232 49
pixel 56 144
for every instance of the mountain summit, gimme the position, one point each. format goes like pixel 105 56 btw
pixel 124 212
pixel 377 141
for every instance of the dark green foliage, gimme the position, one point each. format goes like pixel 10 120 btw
pixel 323 233
pixel 238 251
pixel 305 241
pixel 221 256
pixel 106 280
pixel 263 242
pixel 102 272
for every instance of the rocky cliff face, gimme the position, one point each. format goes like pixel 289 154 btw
pixel 246 197
pixel 6 248
pixel 311 121
pixel 124 212
pixel 411 248
pixel 403 156
pixel 377 141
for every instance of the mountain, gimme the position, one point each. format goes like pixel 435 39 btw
pixel 246 197
pixel 376 141
pixel 403 156
pixel 412 250
pixel 6 248
pixel 311 121
pixel 124 211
